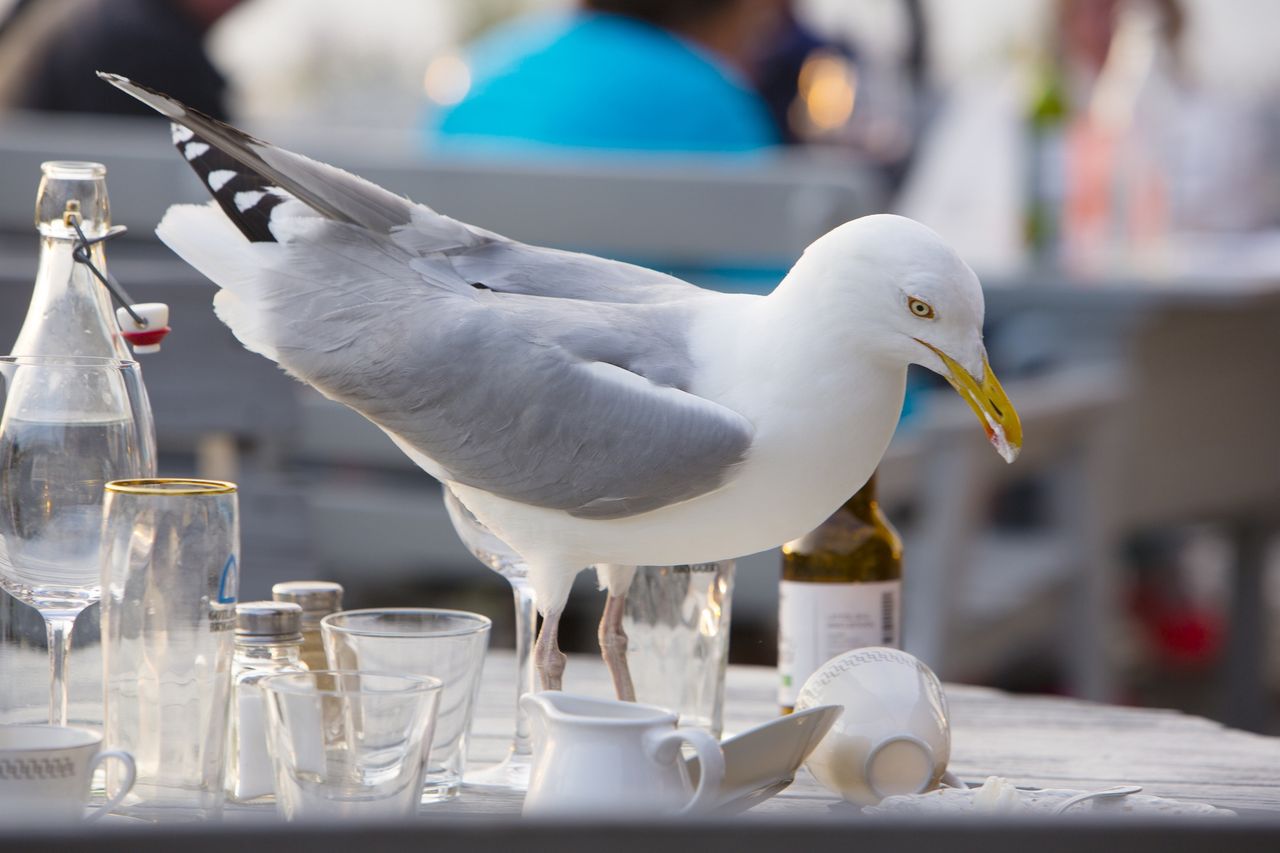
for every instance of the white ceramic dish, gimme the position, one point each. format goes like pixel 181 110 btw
pixel 761 762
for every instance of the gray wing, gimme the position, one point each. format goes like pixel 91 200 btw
pixel 507 266
pixel 573 405
pixel 551 378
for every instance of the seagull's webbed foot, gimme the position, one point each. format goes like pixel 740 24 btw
pixel 613 646
pixel 547 657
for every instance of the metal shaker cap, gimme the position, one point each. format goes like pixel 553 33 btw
pixel 278 619
pixel 322 597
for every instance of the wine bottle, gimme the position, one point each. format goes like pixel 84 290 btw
pixel 841 589
pixel 1046 121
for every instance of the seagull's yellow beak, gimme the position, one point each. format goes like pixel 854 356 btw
pixel 988 401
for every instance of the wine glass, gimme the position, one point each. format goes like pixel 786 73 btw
pixel 68 424
pixel 513 772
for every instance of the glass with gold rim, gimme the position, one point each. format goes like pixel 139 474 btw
pixel 170 578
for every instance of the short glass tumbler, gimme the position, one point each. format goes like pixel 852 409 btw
pixel 677 625
pixel 348 744
pixel 444 644
pixel 170 574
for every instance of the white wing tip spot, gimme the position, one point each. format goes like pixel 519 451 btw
pixel 218 178
pixel 247 199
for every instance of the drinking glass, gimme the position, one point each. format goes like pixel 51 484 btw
pixel 348 744
pixel 512 773
pixel 69 425
pixel 170 577
pixel 444 644
pixel 677 623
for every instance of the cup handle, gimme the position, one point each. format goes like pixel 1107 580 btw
pixel 130 773
pixel 710 762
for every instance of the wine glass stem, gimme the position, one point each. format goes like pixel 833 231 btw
pixel 58 629
pixel 526 634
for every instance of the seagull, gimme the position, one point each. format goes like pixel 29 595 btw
pixel 588 412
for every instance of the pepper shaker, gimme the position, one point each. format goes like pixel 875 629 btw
pixel 317 599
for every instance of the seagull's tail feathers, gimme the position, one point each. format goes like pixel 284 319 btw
pixel 249 178
pixel 204 238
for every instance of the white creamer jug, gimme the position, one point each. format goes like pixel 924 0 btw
pixel 594 757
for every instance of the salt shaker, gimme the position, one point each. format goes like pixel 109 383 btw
pixel 268 640
pixel 317 599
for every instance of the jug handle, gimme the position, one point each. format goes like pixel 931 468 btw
pixel 666 748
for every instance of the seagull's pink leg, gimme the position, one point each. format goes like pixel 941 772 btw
pixel 547 657
pixel 613 646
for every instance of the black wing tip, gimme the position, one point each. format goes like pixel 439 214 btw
pixel 133 87
pixel 173 109
pixel 254 220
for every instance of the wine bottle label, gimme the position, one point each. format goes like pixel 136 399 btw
pixel 817 621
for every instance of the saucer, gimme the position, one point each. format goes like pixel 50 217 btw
pixel 761 762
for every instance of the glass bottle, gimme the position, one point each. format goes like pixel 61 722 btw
pixel 69 314
pixel 841 589
pixel 1045 121
pixel 70 311
pixel 317 599
pixel 268 641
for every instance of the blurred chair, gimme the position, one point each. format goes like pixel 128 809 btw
pixel 1192 440
pixel 1201 441
pixel 975 595
pixel 1176 425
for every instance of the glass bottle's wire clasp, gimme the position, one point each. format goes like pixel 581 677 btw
pixel 81 255
pixel 150 321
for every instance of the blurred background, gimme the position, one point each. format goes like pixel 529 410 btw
pixel 1108 167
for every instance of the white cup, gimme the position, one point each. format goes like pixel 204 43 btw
pixel 893 737
pixel 45 773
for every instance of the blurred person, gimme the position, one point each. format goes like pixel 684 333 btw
pixel 1122 158
pixel 50 49
pixel 658 75
pixel 1124 93
pixel 810 81
pixel 1085 30
pixel 781 64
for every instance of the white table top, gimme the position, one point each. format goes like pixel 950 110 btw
pixel 1039 741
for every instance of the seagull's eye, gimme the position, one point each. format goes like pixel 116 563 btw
pixel 920 308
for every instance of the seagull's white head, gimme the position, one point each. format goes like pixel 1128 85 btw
pixel 908 297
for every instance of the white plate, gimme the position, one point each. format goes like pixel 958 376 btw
pixel 761 762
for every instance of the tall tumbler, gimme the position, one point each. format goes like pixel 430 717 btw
pixel 444 644
pixel 677 624
pixel 170 575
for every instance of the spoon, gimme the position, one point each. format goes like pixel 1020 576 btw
pixel 1105 794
